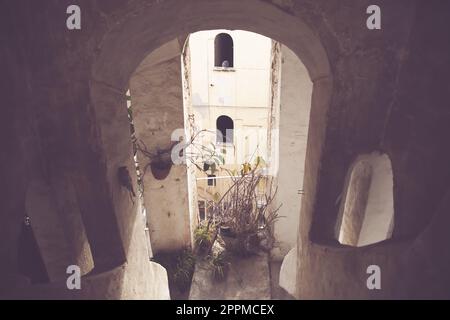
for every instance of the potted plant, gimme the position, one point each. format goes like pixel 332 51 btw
pixel 161 165
pixel 245 211
pixel 160 162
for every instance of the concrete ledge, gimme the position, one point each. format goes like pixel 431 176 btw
pixel 248 279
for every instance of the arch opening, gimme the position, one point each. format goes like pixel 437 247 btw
pixel 302 42
pixel 367 211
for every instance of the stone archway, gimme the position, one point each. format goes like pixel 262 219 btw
pixel 63 116
pixel 136 35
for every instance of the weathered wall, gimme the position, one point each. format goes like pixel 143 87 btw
pixel 241 93
pixel 385 85
pixel 58 228
pixel 386 90
pixel 245 85
pixel 189 125
pixel 379 214
pixel 157 103
pixel 354 203
pixel 53 135
pixel 295 104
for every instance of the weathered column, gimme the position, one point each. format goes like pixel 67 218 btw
pixel 157 104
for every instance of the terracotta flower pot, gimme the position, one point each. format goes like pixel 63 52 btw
pixel 160 169
pixel 240 245
pixel 226 231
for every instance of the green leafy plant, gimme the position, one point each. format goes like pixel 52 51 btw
pixel 219 264
pixel 184 270
pixel 202 237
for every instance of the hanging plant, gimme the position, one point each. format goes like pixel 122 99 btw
pixel 161 166
pixel 160 170
pixel 160 163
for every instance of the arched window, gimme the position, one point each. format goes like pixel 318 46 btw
pixel 223 51
pixel 225 129
pixel 367 213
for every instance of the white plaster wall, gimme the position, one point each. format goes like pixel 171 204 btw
pixel 250 131
pixel 295 104
pixel 246 85
pixel 242 93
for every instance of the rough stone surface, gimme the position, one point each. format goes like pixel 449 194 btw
pixel 157 104
pixel 63 114
pixel 248 279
